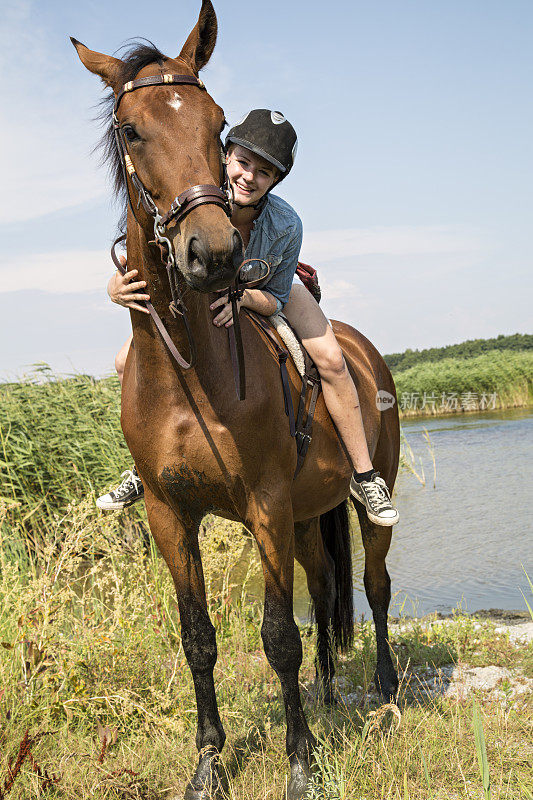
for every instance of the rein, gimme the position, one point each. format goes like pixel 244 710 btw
pixel 176 355
pixel 182 205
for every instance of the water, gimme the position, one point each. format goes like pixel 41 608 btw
pixel 465 541
pixel 462 543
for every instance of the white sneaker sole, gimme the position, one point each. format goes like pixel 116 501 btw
pixel 115 506
pixel 385 523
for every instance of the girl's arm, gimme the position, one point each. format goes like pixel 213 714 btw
pixel 254 299
pixel 276 293
pixel 258 300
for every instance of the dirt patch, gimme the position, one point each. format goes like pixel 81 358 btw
pixel 460 680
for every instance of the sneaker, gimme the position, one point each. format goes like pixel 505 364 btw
pixel 374 495
pixel 129 491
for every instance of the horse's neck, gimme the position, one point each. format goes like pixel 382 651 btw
pixel 152 357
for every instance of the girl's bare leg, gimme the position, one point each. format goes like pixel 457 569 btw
pixel 340 394
pixel 120 358
pixel 130 489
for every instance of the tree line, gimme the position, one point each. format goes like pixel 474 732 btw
pixel 397 362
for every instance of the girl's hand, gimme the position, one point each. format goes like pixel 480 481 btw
pixel 225 316
pixel 124 289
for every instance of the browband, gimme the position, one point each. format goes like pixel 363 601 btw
pixel 156 80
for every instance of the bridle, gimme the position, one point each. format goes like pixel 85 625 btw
pixel 182 205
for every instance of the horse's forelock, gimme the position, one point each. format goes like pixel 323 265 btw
pixel 134 56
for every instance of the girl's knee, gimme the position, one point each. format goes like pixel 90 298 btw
pixel 121 356
pixel 120 363
pixel 331 363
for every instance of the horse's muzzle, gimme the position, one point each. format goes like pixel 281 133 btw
pixel 207 269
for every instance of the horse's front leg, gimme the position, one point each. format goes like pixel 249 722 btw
pixel 177 540
pixel 272 524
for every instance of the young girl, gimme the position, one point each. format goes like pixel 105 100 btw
pixel 260 153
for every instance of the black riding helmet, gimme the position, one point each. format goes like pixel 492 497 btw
pixel 268 134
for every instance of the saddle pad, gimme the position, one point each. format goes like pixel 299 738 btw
pixel 292 344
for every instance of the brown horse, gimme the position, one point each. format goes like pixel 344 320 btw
pixel 199 450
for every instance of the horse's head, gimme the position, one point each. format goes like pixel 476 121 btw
pixel 172 136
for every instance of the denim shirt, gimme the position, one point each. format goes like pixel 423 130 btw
pixel 276 237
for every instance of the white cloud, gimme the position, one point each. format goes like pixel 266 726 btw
pixel 337 288
pixel 63 272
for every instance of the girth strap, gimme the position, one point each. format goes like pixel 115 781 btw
pixel 282 355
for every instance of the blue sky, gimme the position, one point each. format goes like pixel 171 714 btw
pixel 413 176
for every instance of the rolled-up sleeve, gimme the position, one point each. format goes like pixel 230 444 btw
pixel 279 285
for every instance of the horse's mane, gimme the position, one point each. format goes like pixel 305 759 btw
pixel 134 56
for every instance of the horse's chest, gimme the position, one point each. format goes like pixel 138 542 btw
pixel 197 465
pixel 193 491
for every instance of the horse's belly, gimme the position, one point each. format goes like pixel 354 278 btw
pixel 324 480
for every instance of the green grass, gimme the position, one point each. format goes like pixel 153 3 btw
pixel 60 439
pixel 90 642
pixel 90 647
pixel 508 374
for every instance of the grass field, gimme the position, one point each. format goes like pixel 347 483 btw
pixel 455 384
pixel 90 648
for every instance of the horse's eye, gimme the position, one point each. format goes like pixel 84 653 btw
pixel 130 133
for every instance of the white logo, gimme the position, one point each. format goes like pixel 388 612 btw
pixel 277 117
pixel 384 400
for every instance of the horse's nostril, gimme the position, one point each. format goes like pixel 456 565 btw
pixel 195 256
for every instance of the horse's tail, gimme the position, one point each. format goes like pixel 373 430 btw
pixel 335 529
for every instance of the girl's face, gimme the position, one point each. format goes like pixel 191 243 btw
pixel 250 175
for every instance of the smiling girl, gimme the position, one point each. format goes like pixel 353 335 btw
pixel 260 152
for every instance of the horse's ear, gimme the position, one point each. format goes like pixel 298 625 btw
pixel 107 67
pixel 199 46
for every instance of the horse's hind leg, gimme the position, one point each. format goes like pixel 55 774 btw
pixel 178 543
pixel 376 541
pixel 320 572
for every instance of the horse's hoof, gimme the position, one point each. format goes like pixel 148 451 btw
pixel 209 792
pixel 205 783
pixel 387 685
pixel 299 782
